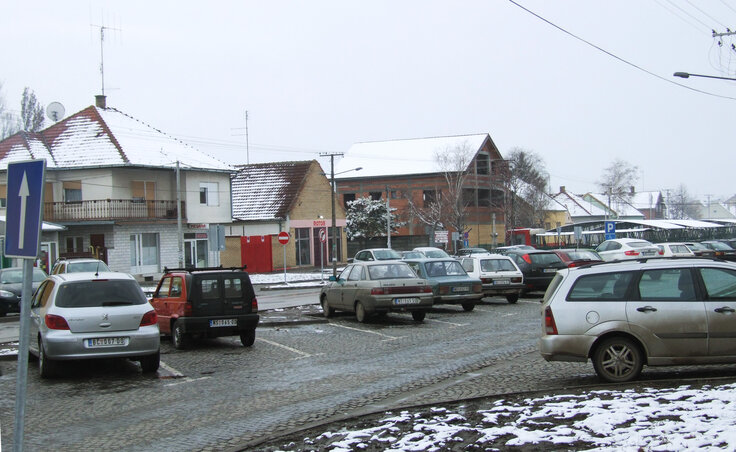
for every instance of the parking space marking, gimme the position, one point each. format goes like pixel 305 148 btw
pixel 186 380
pixel 293 350
pixel 388 338
pixel 443 321
pixel 174 373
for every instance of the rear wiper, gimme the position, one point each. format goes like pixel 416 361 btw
pixel 117 303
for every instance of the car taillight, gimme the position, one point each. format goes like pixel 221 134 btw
pixel 631 253
pixel 444 290
pixel 527 258
pixel 549 321
pixel 516 279
pixel 477 288
pixel 486 280
pixel 377 291
pixel 254 305
pixel 425 289
pixel 149 318
pixel 661 252
pixel 56 322
pixel 187 309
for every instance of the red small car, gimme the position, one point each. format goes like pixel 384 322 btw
pixel 578 257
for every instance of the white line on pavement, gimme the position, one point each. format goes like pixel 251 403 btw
pixel 293 350
pixel 174 373
pixel 442 321
pixel 186 380
pixel 389 338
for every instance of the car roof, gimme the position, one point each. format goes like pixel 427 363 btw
pixel 386 262
pixel 87 276
pixel 431 259
pixel 637 264
pixel 486 256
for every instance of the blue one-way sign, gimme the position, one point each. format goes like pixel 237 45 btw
pixel 24 212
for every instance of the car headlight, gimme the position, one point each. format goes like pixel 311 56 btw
pixel 6 294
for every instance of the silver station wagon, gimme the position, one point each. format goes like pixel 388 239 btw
pixel 92 315
pixel 654 312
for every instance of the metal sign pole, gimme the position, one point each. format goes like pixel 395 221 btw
pixel 21 381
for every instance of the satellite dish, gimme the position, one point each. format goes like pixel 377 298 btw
pixel 55 111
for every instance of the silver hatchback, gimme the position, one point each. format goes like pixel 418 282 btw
pixel 92 315
pixel 654 312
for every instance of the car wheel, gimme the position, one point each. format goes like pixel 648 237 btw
pixel 468 306
pixel 248 337
pixel 360 314
pixel 512 298
pixel 2 313
pixel 47 367
pixel 618 359
pixel 178 337
pixel 326 309
pixel 150 363
pixel 418 316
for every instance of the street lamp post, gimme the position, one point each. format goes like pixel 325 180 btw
pixel 688 75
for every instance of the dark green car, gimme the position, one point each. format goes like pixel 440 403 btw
pixel 450 282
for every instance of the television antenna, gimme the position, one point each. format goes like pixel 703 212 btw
pixel 102 52
pixel 55 111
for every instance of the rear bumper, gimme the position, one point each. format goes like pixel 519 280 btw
pixel 458 299
pixel 63 345
pixel 201 325
pixel 387 304
pixel 565 347
pixel 490 289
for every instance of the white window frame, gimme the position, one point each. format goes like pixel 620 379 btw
pixel 211 193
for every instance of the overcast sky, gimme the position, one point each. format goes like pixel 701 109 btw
pixel 318 76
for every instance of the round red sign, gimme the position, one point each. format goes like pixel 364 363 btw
pixel 323 235
pixel 283 237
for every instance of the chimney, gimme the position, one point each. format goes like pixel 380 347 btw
pixel 562 189
pixel 633 190
pixel 101 101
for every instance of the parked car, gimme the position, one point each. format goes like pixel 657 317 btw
pixel 432 252
pixel 730 242
pixel 368 288
pixel 78 264
pixel 674 249
pixel 722 251
pixel 503 249
pixel 700 250
pixel 623 249
pixel 206 302
pixel 537 266
pixel 498 274
pixel 449 281
pixel 92 315
pixel 11 285
pixel 628 314
pixel 470 251
pixel 576 257
pixel 412 255
pixel 377 254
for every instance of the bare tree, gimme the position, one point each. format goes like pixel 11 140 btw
pixel 682 206
pixel 526 189
pixel 454 163
pixel 8 124
pixel 617 180
pixel 31 112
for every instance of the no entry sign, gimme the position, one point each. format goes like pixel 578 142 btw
pixel 283 237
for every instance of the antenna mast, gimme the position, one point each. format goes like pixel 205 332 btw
pixel 247 151
pixel 102 53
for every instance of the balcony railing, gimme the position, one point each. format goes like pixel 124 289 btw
pixel 111 209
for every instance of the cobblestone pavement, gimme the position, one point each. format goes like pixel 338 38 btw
pixel 219 395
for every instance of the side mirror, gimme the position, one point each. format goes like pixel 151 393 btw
pixel 333 278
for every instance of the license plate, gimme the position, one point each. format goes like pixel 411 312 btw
pixel 403 301
pixel 223 322
pixel 500 282
pixel 107 342
pixel 550 270
pixel 461 289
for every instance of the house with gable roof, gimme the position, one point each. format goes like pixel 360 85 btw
pixel 408 172
pixel 119 187
pixel 294 197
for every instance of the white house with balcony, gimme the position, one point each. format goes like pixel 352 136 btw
pixel 113 181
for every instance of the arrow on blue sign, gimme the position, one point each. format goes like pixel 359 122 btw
pixel 23 193
pixel 24 208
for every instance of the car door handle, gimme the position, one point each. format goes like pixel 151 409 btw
pixel 724 309
pixel 646 309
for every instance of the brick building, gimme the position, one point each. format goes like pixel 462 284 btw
pixel 410 172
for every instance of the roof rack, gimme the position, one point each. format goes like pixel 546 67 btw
pixel 203 269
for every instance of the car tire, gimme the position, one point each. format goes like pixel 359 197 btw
pixel 47 368
pixel 150 363
pixel 360 314
pixel 179 338
pixel 467 307
pixel 3 313
pixel 418 316
pixel 512 298
pixel 248 337
pixel 327 311
pixel 618 360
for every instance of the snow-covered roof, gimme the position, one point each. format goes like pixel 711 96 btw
pixel 577 206
pixel 620 207
pixel 645 199
pixel 695 223
pixel 104 137
pixel 402 157
pixel 266 191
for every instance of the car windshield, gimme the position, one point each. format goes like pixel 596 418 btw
pixel 390 271
pixel 76 267
pixel 96 293
pixel 497 265
pixel 15 276
pixel 544 258
pixel 581 255
pixel 385 255
pixel 639 244
pixel 444 268
pixel 697 246
pixel 435 254
pixel 720 246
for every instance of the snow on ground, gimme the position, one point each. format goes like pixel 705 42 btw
pixel 681 418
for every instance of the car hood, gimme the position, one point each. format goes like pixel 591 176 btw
pixel 16 288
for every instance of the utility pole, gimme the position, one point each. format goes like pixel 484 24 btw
pixel 247 151
pixel 388 217
pixel 179 236
pixel 332 155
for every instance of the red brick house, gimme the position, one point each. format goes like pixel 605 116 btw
pixel 409 172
